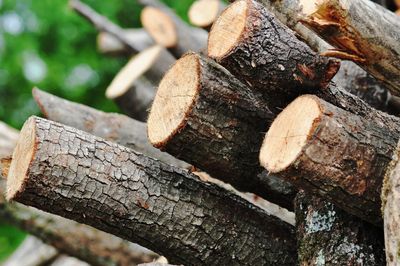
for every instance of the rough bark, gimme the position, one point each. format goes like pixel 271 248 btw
pixel 390 209
pixel 108 186
pixel 363 32
pixel 186 37
pixel 104 24
pixel 110 126
pixel 8 139
pixel 110 45
pixel 327 235
pixel 203 13
pixel 69 237
pixel 269 56
pixel 221 130
pixel 343 157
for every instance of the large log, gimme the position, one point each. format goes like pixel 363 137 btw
pixel 203 13
pixel 110 126
pixel 327 235
pixel 169 30
pixel 76 175
pixel 205 116
pixel 256 47
pixel 363 32
pixel 326 150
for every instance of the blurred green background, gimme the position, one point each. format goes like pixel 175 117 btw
pixel 44 43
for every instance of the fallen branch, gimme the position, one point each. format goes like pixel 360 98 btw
pixel 110 45
pixel 205 116
pixel 325 150
pixel 329 236
pixel 108 186
pixel 253 45
pixel 203 13
pixel 374 44
pixel 114 127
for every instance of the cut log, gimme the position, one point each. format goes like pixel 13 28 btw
pixel 68 261
pixel 114 189
pixel 114 127
pixel 391 211
pixel 205 116
pixel 103 24
pixel 134 94
pixel 253 45
pixel 323 149
pixel 327 235
pixel 8 139
pixel 203 13
pixel 363 32
pixel 171 31
pixel 110 45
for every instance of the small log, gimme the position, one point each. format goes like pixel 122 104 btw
pixel 363 32
pixel 203 13
pixel 116 190
pixel 110 45
pixel 134 93
pixel 104 24
pixel 327 235
pixel 8 139
pixel 256 47
pixel 205 116
pixel 325 150
pixel 68 261
pixel 110 126
pixel 169 30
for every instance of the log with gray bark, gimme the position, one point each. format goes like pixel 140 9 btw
pixel 256 47
pixel 361 31
pixel 326 150
pixel 8 139
pixel 327 235
pixel 110 45
pixel 110 126
pixel 205 116
pixel 203 13
pixel 169 30
pixel 76 175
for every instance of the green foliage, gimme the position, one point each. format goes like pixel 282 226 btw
pixel 10 238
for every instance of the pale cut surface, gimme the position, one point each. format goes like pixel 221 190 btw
pixel 175 96
pixel 22 158
pixel 160 26
pixel 288 134
pixel 135 68
pixel 227 30
pixel 309 6
pixel 203 13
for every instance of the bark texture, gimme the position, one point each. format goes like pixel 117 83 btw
pixel 271 58
pixel 223 131
pixel 363 32
pixel 113 127
pixel 344 160
pixel 327 235
pixel 94 181
pixel 110 45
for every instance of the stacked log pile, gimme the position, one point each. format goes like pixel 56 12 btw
pixel 293 101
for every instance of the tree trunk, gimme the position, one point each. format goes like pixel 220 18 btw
pixel 363 32
pixel 326 150
pixel 108 186
pixel 327 235
pixel 203 13
pixel 110 45
pixel 169 30
pixel 205 116
pixel 253 45
pixel 110 126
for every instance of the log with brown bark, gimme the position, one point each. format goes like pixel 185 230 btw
pixel 361 31
pixel 203 13
pixel 110 126
pixel 76 175
pixel 256 47
pixel 105 25
pixel 326 150
pixel 205 116
pixel 327 235
pixel 110 45
pixel 169 30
